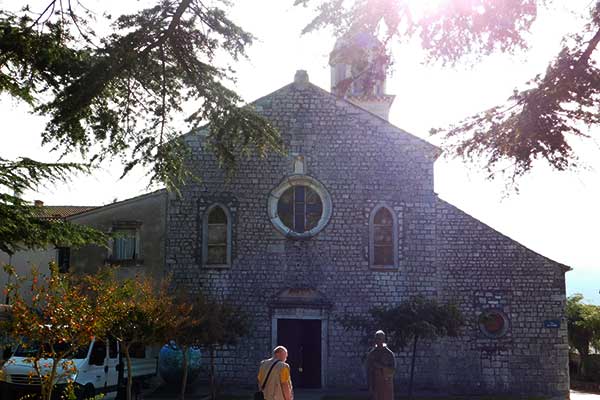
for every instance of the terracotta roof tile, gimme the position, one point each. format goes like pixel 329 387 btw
pixel 61 212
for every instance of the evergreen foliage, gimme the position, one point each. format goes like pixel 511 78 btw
pixel 537 121
pixel 22 227
pixel 117 95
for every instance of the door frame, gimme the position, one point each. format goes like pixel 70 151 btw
pixel 304 313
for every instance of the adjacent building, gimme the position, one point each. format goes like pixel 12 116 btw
pixel 136 227
pixel 24 260
pixel 137 230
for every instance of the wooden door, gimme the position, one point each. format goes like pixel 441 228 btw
pixel 302 338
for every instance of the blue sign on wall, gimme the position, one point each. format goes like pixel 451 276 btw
pixel 552 323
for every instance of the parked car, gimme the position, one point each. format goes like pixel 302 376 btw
pixel 98 368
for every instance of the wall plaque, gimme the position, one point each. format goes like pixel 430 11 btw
pixel 552 323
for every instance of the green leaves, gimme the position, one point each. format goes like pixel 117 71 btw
pixel 22 225
pixel 120 98
pixel 233 132
pixel 535 123
pixel 583 324
pixel 57 319
pixel 416 317
pixel 449 33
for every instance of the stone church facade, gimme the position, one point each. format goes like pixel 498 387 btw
pixel 349 220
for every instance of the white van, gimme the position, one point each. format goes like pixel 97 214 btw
pixel 98 369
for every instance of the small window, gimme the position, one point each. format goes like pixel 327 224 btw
pixel 493 323
pixel 383 239
pixel 217 237
pixel 63 259
pixel 125 245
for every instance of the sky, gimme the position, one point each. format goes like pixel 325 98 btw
pixel 556 214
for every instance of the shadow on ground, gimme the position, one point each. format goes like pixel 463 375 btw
pixel 199 392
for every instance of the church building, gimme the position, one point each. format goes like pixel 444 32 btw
pixel 348 220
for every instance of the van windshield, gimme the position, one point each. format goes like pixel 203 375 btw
pixel 32 349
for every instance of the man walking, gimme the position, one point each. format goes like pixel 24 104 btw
pixel 274 378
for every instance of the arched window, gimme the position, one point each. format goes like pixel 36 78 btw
pixel 216 243
pixel 383 238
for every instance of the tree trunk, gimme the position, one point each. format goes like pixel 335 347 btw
pixel 129 374
pixel 46 387
pixel 582 361
pixel 412 367
pixel 213 389
pixel 184 349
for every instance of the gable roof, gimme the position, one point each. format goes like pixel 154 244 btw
pixel 433 150
pixel 119 203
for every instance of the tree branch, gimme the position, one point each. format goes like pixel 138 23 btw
pixel 174 22
pixel 51 4
pixel 592 44
pixel 163 111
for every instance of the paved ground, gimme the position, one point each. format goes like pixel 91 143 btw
pixel 318 394
pixel 577 395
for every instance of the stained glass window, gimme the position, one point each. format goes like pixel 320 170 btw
pixel 383 236
pixel 300 208
pixel 217 237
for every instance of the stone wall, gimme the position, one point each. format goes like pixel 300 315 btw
pixel 363 162
pixel 483 269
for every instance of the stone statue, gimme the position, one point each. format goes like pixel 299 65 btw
pixel 381 366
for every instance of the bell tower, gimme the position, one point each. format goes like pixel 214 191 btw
pixel 358 65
